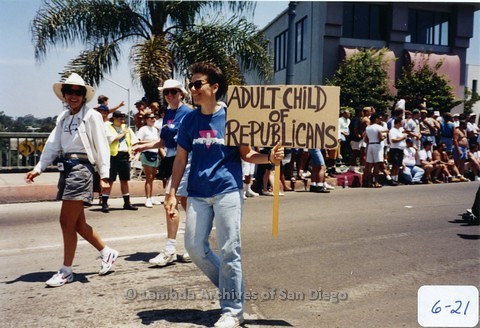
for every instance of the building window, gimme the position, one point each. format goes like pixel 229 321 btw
pixel 365 21
pixel 427 27
pixel 300 29
pixel 281 51
pixel 474 86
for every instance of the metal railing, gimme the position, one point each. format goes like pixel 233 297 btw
pixel 20 151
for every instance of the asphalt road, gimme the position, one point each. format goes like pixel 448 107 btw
pixel 351 258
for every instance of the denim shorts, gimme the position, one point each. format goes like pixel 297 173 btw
pixel 462 154
pixel 317 157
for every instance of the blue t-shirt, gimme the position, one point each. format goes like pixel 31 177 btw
pixel 215 168
pixel 171 123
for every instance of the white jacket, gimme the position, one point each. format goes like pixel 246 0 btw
pixel 92 134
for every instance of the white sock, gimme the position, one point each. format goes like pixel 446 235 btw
pixel 171 245
pixel 320 184
pixel 395 177
pixel 66 269
pixel 314 184
pixel 105 251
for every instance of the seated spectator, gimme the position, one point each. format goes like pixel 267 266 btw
pixel 450 171
pixel 473 164
pixel 432 168
pixel 412 173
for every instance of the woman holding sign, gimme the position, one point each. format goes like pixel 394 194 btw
pixel 215 188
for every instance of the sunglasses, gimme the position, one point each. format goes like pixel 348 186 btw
pixel 70 92
pixel 172 91
pixel 197 84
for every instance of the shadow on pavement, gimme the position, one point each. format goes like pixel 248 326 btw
pixel 197 317
pixel 140 256
pixel 200 318
pixel 468 237
pixel 45 275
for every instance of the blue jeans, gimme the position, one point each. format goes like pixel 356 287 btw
pixel 413 174
pixel 223 269
pixel 317 157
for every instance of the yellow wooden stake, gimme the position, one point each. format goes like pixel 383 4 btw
pixel 276 191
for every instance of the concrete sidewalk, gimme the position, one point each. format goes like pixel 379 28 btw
pixel 14 189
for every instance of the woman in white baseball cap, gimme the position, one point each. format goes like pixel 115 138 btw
pixel 80 136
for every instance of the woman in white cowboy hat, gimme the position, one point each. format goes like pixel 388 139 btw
pixel 174 93
pixel 79 136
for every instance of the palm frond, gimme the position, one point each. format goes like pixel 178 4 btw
pixel 92 64
pixel 84 21
pixel 235 42
pixel 152 63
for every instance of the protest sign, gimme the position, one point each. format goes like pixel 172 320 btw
pixel 296 116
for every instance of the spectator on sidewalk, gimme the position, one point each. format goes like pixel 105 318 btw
pixel 398 144
pixel 411 172
pixel 149 158
pixel 460 149
pixel 79 134
pixel 103 101
pixel 121 139
pixel 449 170
pixel 142 111
pixel 374 135
pixel 433 168
pixel 344 135
pixel 356 138
pixel 319 170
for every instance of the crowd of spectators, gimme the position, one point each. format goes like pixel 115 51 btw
pixel 413 145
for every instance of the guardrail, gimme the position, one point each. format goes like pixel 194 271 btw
pixel 20 151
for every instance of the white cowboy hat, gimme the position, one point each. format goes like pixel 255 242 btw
pixel 73 79
pixel 173 84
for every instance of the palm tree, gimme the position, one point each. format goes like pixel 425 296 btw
pixel 166 37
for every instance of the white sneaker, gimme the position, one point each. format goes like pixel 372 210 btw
pixel 251 193
pixel 185 258
pixel 328 187
pixel 266 193
pixel 156 202
pixel 59 279
pixel 107 261
pixel 227 320
pixel 148 203
pixel 163 258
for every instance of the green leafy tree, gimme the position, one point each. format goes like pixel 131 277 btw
pixel 363 80
pixel 426 81
pixel 471 98
pixel 166 37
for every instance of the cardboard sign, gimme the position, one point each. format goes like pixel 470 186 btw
pixel 296 116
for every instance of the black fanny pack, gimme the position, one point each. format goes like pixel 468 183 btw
pixel 150 156
pixel 66 164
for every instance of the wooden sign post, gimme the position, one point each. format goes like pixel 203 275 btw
pixel 296 116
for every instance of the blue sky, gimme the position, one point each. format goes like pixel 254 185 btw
pixel 26 86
